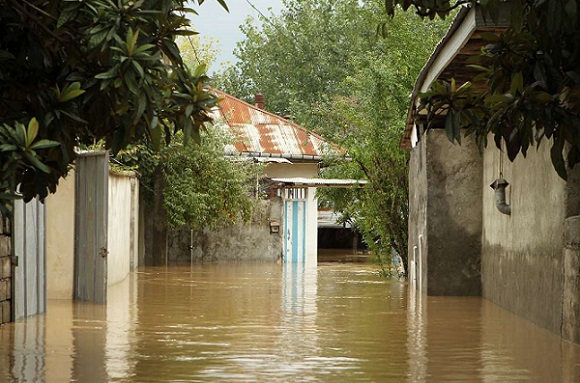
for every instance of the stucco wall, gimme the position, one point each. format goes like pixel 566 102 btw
pixel 571 288
pixel 5 271
pixel 522 253
pixel 449 211
pixel 60 232
pixel 291 170
pixel 121 238
pixel 240 242
pixel 417 216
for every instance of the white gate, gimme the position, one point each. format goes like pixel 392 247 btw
pixel 29 249
pixel 91 216
pixel 295 225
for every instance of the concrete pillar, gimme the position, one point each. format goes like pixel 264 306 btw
pixel 445 215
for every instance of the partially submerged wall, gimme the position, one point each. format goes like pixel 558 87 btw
pixel 418 216
pixel 571 288
pixel 449 211
pixel 5 271
pixel 60 239
pixel 122 229
pixel 571 294
pixel 522 267
pixel 240 242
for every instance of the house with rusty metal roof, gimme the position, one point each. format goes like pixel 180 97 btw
pixel 289 149
pixel 293 155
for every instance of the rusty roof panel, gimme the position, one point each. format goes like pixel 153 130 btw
pixel 256 130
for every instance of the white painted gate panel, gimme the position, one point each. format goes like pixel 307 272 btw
pixel 91 216
pixel 29 249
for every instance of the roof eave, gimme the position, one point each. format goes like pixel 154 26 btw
pixel 467 21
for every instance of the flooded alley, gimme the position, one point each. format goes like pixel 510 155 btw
pixel 264 323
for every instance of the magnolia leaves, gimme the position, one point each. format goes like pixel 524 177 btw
pixel 526 87
pixel 20 141
pixel 19 151
pixel 87 71
pixel 155 97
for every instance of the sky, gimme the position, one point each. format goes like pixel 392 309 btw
pixel 214 21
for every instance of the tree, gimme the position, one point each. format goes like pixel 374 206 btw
pixel 530 76
pixel 202 188
pixel 77 71
pixel 197 49
pixel 298 60
pixel 323 64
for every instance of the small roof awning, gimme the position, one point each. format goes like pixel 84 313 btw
pixel 265 160
pixel 450 59
pixel 318 182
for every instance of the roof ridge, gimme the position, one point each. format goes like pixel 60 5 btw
pixel 294 124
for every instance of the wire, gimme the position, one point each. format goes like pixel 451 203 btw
pixel 191 43
pixel 194 50
pixel 260 12
pixel 281 31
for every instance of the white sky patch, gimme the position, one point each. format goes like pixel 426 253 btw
pixel 214 21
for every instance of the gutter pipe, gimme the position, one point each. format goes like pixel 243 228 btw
pixel 499 186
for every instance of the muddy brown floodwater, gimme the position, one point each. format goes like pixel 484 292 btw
pixel 261 323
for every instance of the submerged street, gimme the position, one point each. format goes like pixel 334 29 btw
pixel 263 323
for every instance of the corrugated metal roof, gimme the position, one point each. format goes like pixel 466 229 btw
pixel 456 68
pixel 330 219
pixel 258 131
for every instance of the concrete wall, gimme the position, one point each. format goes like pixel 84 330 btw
pixel 418 236
pixel 522 252
pixel 311 228
pixel 123 218
pixel 449 211
pixel 5 271
pixel 121 231
pixel 240 242
pixel 308 170
pixel 60 233
pixel 571 287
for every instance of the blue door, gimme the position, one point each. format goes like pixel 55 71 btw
pixel 295 225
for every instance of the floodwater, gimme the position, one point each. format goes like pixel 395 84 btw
pixel 263 323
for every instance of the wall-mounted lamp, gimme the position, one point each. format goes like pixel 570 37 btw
pixel 499 186
pixel 274 227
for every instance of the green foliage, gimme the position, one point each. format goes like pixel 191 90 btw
pixel 300 59
pixel 528 85
pixel 86 70
pixel 197 49
pixel 19 153
pixel 322 63
pixel 204 189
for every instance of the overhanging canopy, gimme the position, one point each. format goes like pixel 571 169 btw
pixel 318 182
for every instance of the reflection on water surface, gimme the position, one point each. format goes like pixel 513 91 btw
pixel 261 323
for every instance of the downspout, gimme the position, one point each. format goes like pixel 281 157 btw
pixel 499 186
